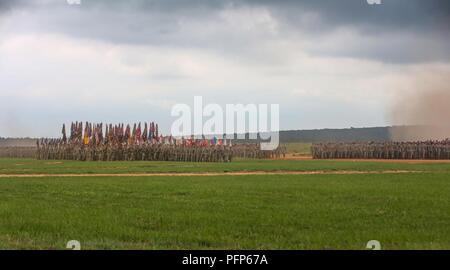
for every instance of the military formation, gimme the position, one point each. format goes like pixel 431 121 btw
pixel 98 142
pixel 253 151
pixel 17 152
pixel 383 150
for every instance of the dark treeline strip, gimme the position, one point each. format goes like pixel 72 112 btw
pixel 21 142
pixel 287 136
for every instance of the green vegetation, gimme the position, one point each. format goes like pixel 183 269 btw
pixel 323 211
pixel 230 212
pixel 30 166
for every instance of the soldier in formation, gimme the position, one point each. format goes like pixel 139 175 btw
pixel 95 142
pixel 383 150
pixel 253 151
pixel 98 142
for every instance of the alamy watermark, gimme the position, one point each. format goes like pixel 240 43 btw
pixel 74 2
pixel 76 245
pixel 373 245
pixel 73 245
pixel 374 2
pixel 259 121
pixel 370 2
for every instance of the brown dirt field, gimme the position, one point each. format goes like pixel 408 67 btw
pixel 409 161
pixel 207 174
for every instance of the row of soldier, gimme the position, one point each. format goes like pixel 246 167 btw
pixel 253 151
pixel 56 150
pixel 17 152
pixel 383 150
pixel 120 142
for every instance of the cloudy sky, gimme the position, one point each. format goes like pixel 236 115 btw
pixel 329 64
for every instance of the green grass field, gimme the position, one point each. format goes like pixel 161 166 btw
pixel 31 166
pixel 323 211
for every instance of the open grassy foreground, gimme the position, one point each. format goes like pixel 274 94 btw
pixel 32 166
pixel 323 211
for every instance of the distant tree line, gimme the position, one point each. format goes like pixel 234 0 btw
pixel 22 142
pixel 365 134
pixel 330 135
pixel 336 135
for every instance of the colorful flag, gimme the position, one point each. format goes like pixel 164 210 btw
pixel 64 138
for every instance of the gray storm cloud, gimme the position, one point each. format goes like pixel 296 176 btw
pixel 328 63
pixel 398 31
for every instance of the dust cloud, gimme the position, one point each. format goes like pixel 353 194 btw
pixel 425 109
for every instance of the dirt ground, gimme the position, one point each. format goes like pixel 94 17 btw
pixel 205 174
